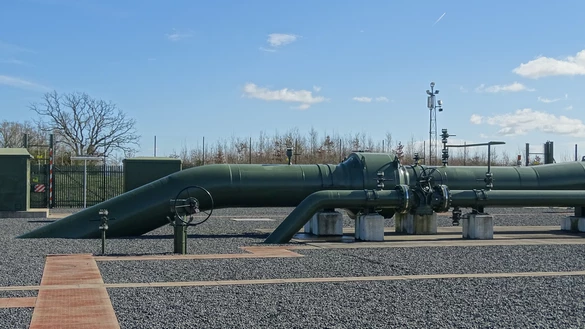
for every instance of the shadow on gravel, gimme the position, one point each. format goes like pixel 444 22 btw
pixel 41 221
pixel 196 236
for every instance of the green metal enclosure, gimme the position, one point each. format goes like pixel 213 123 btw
pixel 143 170
pixel 14 179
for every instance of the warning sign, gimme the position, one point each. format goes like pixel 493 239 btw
pixel 39 188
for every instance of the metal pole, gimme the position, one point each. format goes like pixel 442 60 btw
pixel 84 183
pixel 204 150
pixel 155 146
pixel 180 246
pixel 576 153
pixel 250 150
pixel 51 160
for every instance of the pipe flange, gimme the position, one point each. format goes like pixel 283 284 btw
pixel 406 198
pixel 442 198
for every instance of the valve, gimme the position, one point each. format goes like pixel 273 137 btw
pixel 456 216
pixel 182 209
pixel 380 180
pixel 289 154
pixel 445 152
pixel 416 158
pixel 103 213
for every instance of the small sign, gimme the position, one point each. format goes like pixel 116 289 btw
pixel 39 188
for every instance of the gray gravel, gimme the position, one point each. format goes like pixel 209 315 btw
pixel 451 303
pixel 23 260
pixel 15 318
pixel 355 262
pixel 458 303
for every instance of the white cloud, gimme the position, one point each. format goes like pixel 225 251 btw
pixel 475 119
pixel 20 83
pixel 304 97
pixel 301 107
pixel 364 99
pixel 546 66
pixel 523 121
pixel 548 100
pixel 568 108
pixel 280 39
pixel 178 35
pixel 267 49
pixel 317 88
pixel 514 87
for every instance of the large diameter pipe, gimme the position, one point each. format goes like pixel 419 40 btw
pixel 517 198
pixel 144 209
pixel 558 176
pixel 329 200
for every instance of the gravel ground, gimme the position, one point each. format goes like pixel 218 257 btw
pixel 15 318
pixel 354 262
pixel 450 303
pixel 23 259
pixel 522 302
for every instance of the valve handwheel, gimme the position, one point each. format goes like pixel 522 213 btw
pixel 191 205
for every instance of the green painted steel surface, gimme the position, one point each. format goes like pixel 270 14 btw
pixel 330 199
pixel 14 179
pixel 144 209
pixel 510 198
pixel 558 176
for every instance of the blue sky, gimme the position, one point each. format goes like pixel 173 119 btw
pixel 506 70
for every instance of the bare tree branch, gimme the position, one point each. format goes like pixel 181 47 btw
pixel 87 126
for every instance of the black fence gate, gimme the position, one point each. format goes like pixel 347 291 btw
pixel 39 185
pixel 103 183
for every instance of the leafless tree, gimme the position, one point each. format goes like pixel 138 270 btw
pixel 12 134
pixel 87 126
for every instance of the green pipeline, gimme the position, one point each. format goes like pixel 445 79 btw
pixel 329 200
pixel 146 208
pixel 508 198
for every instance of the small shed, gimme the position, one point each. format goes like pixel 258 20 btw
pixel 140 171
pixel 14 179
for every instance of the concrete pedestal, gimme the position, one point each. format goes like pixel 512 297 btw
pixel 415 224
pixel 325 223
pixel 369 227
pixel 573 224
pixel 478 226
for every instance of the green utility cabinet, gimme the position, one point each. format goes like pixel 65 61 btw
pixel 14 179
pixel 143 170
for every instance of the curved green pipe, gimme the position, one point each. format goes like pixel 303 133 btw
pixel 331 199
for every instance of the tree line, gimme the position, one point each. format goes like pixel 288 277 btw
pixel 83 125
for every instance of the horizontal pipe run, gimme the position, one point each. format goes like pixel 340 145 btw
pixel 329 199
pixel 517 198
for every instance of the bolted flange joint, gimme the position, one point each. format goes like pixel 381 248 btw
pixel 441 200
pixel 406 198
